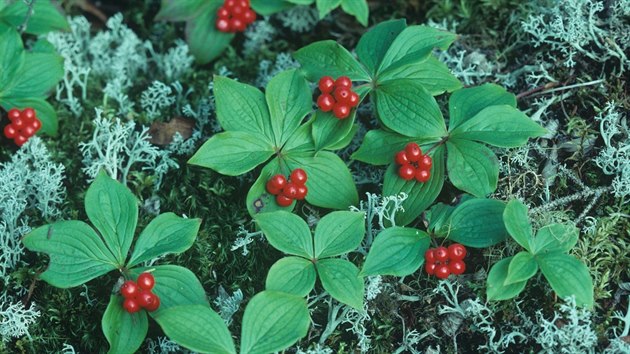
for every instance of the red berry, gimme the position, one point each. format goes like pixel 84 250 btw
pixel 456 252
pixel 223 13
pixel 129 289
pixel 425 162
pixel 19 123
pixel 406 172
pixel 223 25
pixel 457 267
pixel 290 190
pixel 28 114
pixel 298 176
pixel 36 124
pixel 429 256
pixel 14 113
pixel 283 200
pixel 272 189
pixel 10 132
pixel 342 95
pixel 277 182
pixel 325 102
pixel 441 254
pixel 301 194
pixel 238 10
pixel 229 4
pixel 326 84
pixel 343 81
pixel 28 131
pixel 430 268
pixel 401 158
pixel 237 24
pixel 442 271
pixel 146 298
pixel 249 16
pixel 354 99
pixel 20 140
pixel 146 281
pixel 341 111
pixel 154 305
pixel 422 175
pixel 413 152
pixel 131 305
pixel 243 3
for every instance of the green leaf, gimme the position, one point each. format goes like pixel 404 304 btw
pixel 407 108
pixel 420 195
pixel 374 43
pixel 325 6
pixel 44 111
pixel 329 58
pixel 432 74
pixel 273 321
pixel 521 268
pixel 175 285
pixel 287 232
pixel 339 232
pixel 502 126
pixel 301 140
pixel 517 223
pixel 439 219
pixel 293 275
pixel 496 288
pixel 11 56
pixel 45 17
pixel 124 331
pixel 233 153
pixel 258 199
pixel 289 99
pixel 205 41
pixel 555 238
pixel 342 281
pixel 466 103
pixel 242 107
pixel 379 147
pixel 181 10
pixel 327 130
pixel 472 167
pixel 40 73
pixel 330 184
pixel 396 251
pixel 415 43
pixel 478 223
pixel 357 8
pixel 346 140
pixel 197 328
pixel 77 254
pixel 567 276
pixel 167 233
pixel 270 7
pixel 113 210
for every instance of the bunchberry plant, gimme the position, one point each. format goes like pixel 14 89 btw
pixel 546 251
pixel 267 128
pixel 24 124
pixel 311 256
pixel 357 8
pixel 33 17
pixel 27 77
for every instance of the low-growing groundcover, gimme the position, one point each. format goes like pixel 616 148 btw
pixel 342 176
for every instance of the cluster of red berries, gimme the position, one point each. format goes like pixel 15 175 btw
pixel 287 191
pixel 138 294
pixel 234 16
pixel 24 124
pixel 414 164
pixel 337 96
pixel 442 261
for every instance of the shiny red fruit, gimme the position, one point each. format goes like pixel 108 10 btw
pixel 249 16
pixel 302 190
pixel 283 200
pixel 422 175
pixel 154 305
pixel 277 182
pixel 456 252
pixel 20 140
pixel 430 268
pixel 237 24
pixel 342 95
pixel 28 131
pixel 229 4
pixel 341 111
pixel 406 172
pixel 429 256
pixel 325 102
pixel 326 84
pixel 146 298
pixel 223 13
pixel 223 25
pixel 14 113
pixel 129 289
pixel 441 254
pixel 145 281
pixel 28 114
pixel 290 190
pixel 442 271
pixel 343 81
pixel 401 158
pixel 238 10
pixel 131 305
pixel 298 176
pixel 36 124
pixel 457 267
pixel 413 152
pixel 19 123
pixel 272 189
pixel 425 162
pixel 353 101
pixel 10 132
